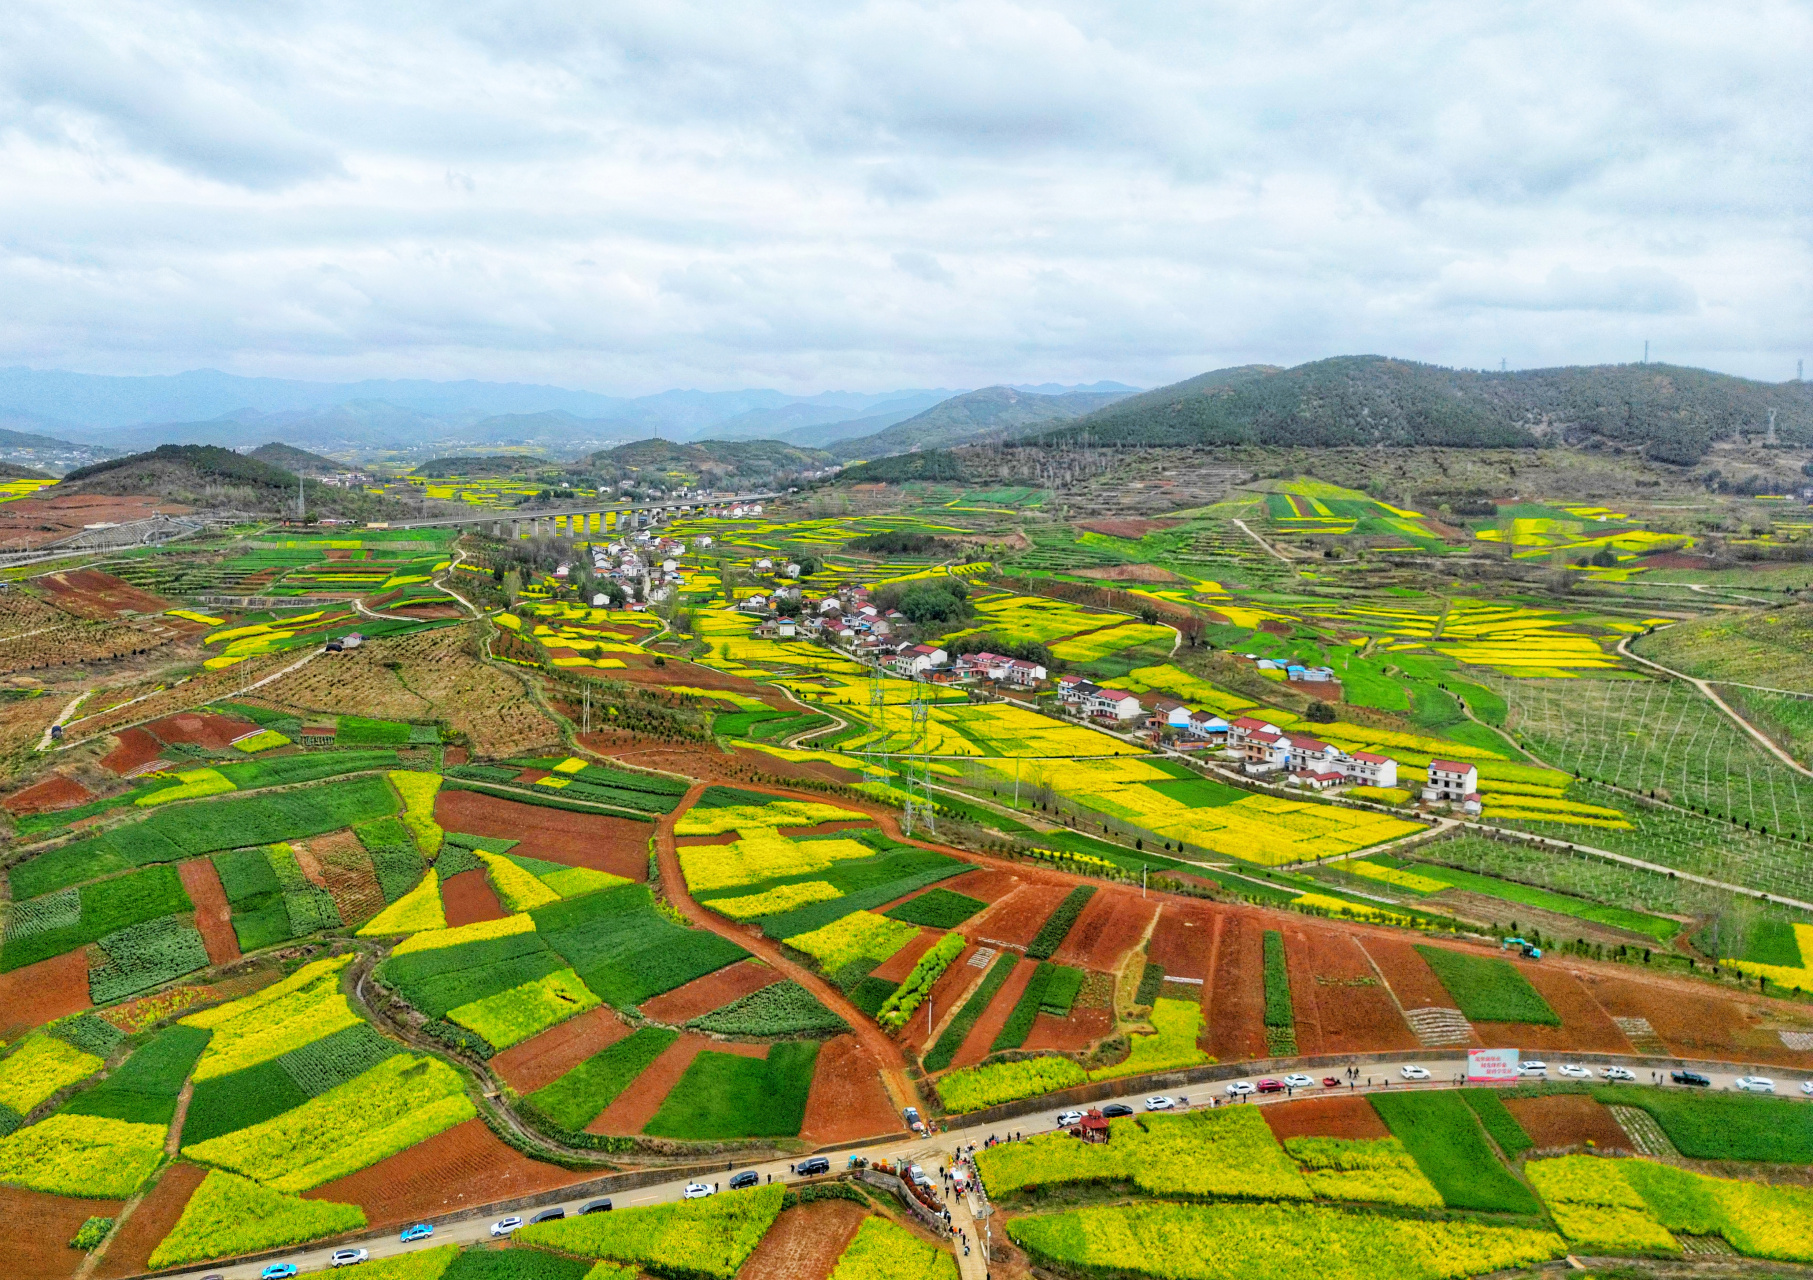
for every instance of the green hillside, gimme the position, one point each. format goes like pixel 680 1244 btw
pixel 976 417
pixel 205 475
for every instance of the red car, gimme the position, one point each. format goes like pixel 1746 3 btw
pixel 1271 1086
pixel 1331 1082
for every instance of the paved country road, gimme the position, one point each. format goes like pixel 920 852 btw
pixel 939 1149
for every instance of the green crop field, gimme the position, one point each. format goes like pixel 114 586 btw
pixel 1488 990
pixel 1444 1136
pixel 725 1095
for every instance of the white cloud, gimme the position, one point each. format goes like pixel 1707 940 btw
pixel 652 194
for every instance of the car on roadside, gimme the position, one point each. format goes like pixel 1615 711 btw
pixel 1693 1078
pixel 1619 1073
pixel 549 1215
pixel 1331 1082
pixel 1161 1103
pixel 348 1257
pixel 420 1231
pixel 1068 1118
pixel 1754 1084
pixel 1269 1085
pixel 815 1165
pixel 696 1191
pixel 1574 1071
pixel 278 1271
pixel 1239 1089
pixel 1116 1109
pixel 596 1206
pixel 1414 1072
pixel 504 1226
pixel 1297 1080
pixel 747 1178
pixel 1532 1068
pixel 1806 1087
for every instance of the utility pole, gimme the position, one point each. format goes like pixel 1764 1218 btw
pixel 1646 351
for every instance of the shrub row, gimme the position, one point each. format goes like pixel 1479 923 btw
pixel 1051 934
pixel 941 1053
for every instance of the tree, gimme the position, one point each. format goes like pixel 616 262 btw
pixel 925 603
pixel 1321 713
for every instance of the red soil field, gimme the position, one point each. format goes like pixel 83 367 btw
pixel 1183 939
pixel 636 1105
pixel 544 1058
pixel 89 593
pixel 1017 918
pixel 952 987
pixel 988 1026
pixel 460 1167
pixel 1080 1030
pixel 344 870
pixel 468 898
pixel 1330 1116
pixel 42 992
pixel 1128 527
pixel 713 991
pixel 805 1242
pixel 129 1253
pixel 897 966
pixel 1695 1023
pixel 847 1100
pixel 616 845
pixel 32 522
pixel 38 1228
pixel 213 915
pixel 1568 1120
pixel 55 792
pixel 1411 980
pixel 1234 997
pixel 1110 926
pixel 456 755
pixel 1585 1027
pixel 985 884
pixel 1340 1004
pixel 203 730
pixel 136 749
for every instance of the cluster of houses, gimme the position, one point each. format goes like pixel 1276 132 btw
pixel 645 565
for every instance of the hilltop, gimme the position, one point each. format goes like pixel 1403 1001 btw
pixel 204 475
pixel 987 416
pixel 472 465
pixel 301 462
pixel 1673 414
pixel 713 460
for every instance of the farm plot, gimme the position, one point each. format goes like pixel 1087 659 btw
pixel 1234 997
pixel 1568 1120
pixel 39 1227
pixel 618 846
pixel 580 1095
pixel 641 1097
pixel 708 1238
pixel 978 1044
pixel 54 923
pixel 735 1095
pixel 713 991
pixel 1331 1116
pixel 1015 920
pixel 1582 1025
pixel 43 992
pixel 1110 926
pixel 1694 1023
pixel 847 1100
pixel 1183 940
pixel 1444 1136
pixel 467 898
pixel 129 1252
pixel 1488 989
pixel 1341 1004
pixel 805 1242
pixel 626 951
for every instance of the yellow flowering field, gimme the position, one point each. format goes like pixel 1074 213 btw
pixel 861 935
pixel 510 1017
pixel 1394 876
pixel 973 1088
pixel 1099 644
pixel 38 1068
pixel 517 888
pixel 415 911
pixel 782 898
pixel 418 791
pixel 702 821
pixel 1342 908
pixel 1596 1208
pixel 303 1008
pixel 192 784
pixel 883 1250
pixel 73 1155
pixel 762 855
pixel 483 930
pixel 1177 1023
pixel 1376 1170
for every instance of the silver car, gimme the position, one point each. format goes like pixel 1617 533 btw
pixel 1239 1089
pixel 504 1226
pixel 1755 1084
pixel 348 1257
pixel 1619 1073
pixel 1298 1081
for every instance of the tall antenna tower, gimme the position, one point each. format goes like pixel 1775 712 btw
pixel 916 774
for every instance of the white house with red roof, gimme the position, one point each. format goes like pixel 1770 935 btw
pixel 1112 704
pixel 1369 769
pixel 1451 781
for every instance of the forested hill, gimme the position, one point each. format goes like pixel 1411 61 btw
pixel 207 476
pixel 1673 413
pixel 975 417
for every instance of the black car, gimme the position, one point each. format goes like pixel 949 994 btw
pixel 596 1206
pixel 1117 1109
pixel 549 1215
pixel 747 1178
pixel 1691 1077
pixel 817 1164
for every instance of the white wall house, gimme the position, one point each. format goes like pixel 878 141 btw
pixel 1451 781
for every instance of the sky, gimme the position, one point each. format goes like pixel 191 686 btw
pixel 657 193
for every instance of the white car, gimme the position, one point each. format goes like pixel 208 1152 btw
pixel 1533 1068
pixel 1755 1084
pixel 695 1191
pixel 504 1226
pixel 1414 1073
pixel 348 1257
pixel 1619 1073
pixel 1575 1071
pixel 1806 1087
pixel 1066 1118
pixel 1161 1103
pixel 1239 1089
pixel 1298 1081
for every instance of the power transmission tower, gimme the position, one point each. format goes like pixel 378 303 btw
pixel 878 716
pixel 916 773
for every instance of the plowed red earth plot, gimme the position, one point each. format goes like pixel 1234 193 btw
pixel 1340 1004
pixel 89 593
pixel 1078 1031
pixel 38 1228
pixel 1334 1116
pixel 1235 1003
pixel 1585 1027
pixel 42 992
pixel 636 1105
pixel 1110 926
pixel 55 792
pixel 1183 939
pixel 136 749
pixel 129 1254
pixel 346 873
pixel 616 845
pixel 897 966
pixel 713 991
pixel 1696 1024
pixel 460 1167
pixel 468 898
pixel 1411 980
pixel 1017 918
pixel 543 1059
pixel 201 730
pixel 805 1242
pixel 32 522
pixel 953 986
pixel 213 916
pixel 985 884
pixel 988 1026
pixel 1569 1120
pixel 847 1100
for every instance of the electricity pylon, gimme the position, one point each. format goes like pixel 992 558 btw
pixel 916 769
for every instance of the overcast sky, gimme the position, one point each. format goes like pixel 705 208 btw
pixel 654 193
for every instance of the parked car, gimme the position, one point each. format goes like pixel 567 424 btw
pixel 348 1257
pixel 550 1215
pixel 596 1206
pixel 1414 1072
pixel 1269 1085
pixel 1068 1118
pixel 1297 1080
pixel 1161 1103
pixel 747 1178
pixel 278 1271
pixel 1574 1071
pixel 1114 1109
pixel 1533 1068
pixel 420 1231
pixel 696 1191
pixel 911 1115
pixel 1331 1082
pixel 1693 1078
pixel 504 1226
pixel 1619 1073
pixel 1806 1087
pixel 807 1168
pixel 1755 1084
pixel 1238 1089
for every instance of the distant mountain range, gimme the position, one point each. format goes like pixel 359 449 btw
pixel 987 416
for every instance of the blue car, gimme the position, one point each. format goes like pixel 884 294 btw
pixel 278 1271
pixel 420 1231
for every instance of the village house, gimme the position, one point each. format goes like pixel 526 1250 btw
pixel 1165 713
pixel 1369 769
pixel 919 659
pixel 1207 726
pixel 1112 704
pixel 1246 726
pixel 1264 752
pixel 1451 781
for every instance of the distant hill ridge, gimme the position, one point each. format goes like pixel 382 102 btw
pixel 205 475
pixel 976 417
pixel 287 457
